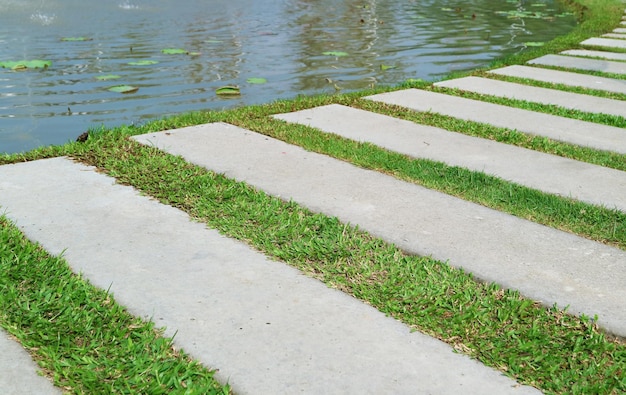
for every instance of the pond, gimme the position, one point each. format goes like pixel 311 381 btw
pixel 177 53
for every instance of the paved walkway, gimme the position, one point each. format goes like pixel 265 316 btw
pixel 268 328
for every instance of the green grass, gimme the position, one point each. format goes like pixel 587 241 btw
pixel 47 307
pixel 80 336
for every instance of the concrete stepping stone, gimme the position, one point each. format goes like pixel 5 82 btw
pixel 549 173
pixel 604 42
pixel 558 128
pixel 605 66
pixel 615 35
pixel 563 77
pixel 267 328
pixel 543 263
pixel 595 54
pixel 619 30
pixel 575 101
pixel 18 372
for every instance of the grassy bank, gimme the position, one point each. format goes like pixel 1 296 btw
pixel 48 308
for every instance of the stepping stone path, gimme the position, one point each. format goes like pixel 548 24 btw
pixel 595 54
pixel 605 42
pixel 563 77
pixel 268 328
pixel 604 66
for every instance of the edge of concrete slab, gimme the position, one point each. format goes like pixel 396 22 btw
pixel 19 374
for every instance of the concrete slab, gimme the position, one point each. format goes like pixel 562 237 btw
pixel 615 35
pixel 548 173
pixel 543 263
pixel 18 372
pixel 605 66
pixel 563 77
pixel 574 101
pixel 619 30
pixel 558 128
pixel 604 42
pixel 268 328
pixel 595 54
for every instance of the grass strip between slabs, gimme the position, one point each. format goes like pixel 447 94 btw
pixel 539 346
pixel 547 145
pixel 549 85
pixel 80 336
pixel 606 119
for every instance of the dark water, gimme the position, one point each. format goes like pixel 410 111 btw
pixel 281 41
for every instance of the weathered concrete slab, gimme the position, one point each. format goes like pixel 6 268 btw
pixel 619 30
pixel 18 372
pixel 544 264
pixel 604 42
pixel 268 328
pixel 549 173
pixel 605 66
pixel 563 77
pixel 595 54
pixel 575 101
pixel 615 35
pixel 558 128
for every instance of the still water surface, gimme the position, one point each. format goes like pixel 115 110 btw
pixel 281 41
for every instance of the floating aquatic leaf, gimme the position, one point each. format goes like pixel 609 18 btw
pixel 256 80
pixel 228 90
pixel 446 9
pixel 194 53
pixel 174 51
pixel 107 77
pixel 534 44
pixel 335 53
pixel 384 67
pixel 26 64
pixel 143 62
pixel 124 89
pixel 538 5
pixel 76 39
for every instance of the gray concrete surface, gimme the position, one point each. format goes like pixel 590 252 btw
pixel 549 173
pixel 267 328
pixel 604 42
pixel 621 30
pixel 18 372
pixel 558 128
pixel 544 264
pixel 563 77
pixel 575 101
pixel 620 36
pixel 605 66
pixel 595 54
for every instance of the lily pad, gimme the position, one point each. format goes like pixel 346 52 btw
pixel 26 64
pixel 124 89
pixel 143 62
pixel 228 90
pixel 256 80
pixel 107 77
pixel 384 67
pixel 174 51
pixel 335 53
pixel 76 39
pixel 534 44
pixel 194 53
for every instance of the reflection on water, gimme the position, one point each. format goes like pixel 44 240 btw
pixel 282 41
